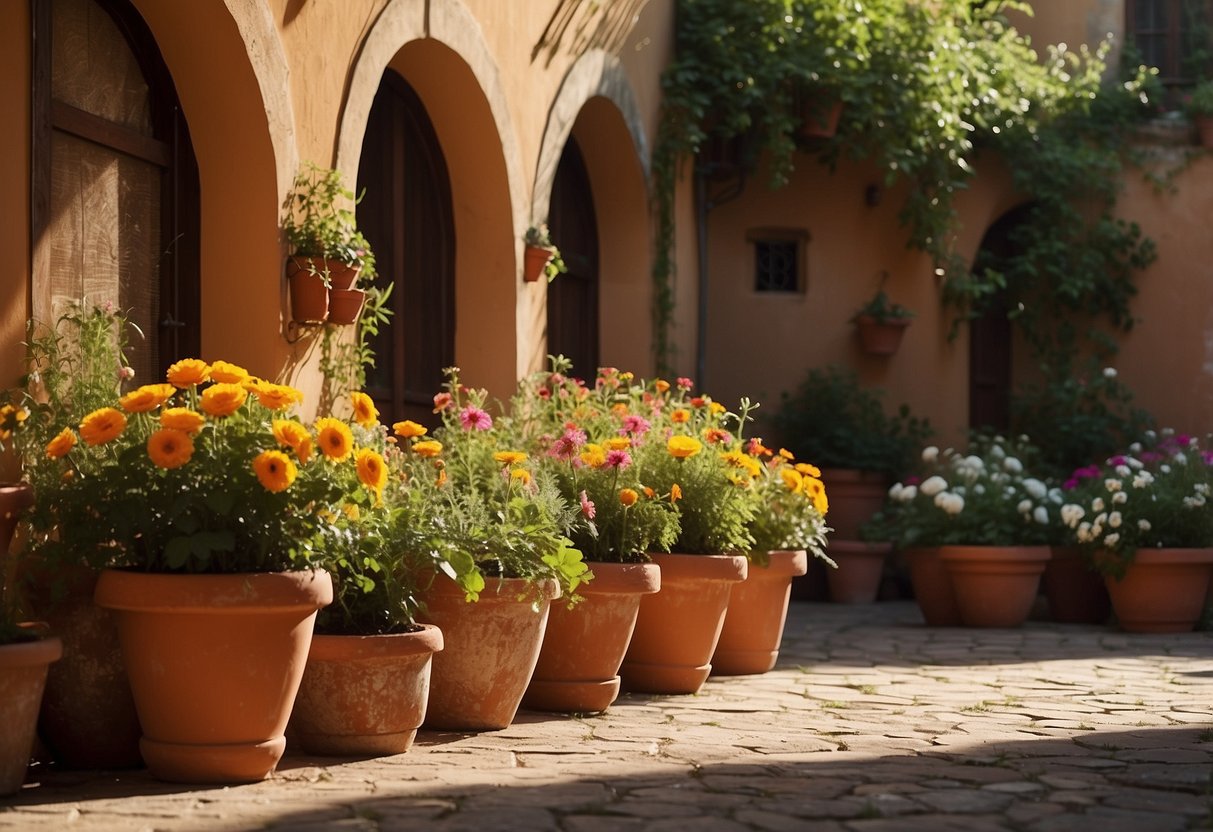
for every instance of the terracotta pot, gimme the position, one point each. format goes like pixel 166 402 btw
pixel 995 585
pixel 880 337
pixel 1204 130
pixel 340 275
pixel 854 497
pixel 678 628
pixel 932 586
pixel 345 305
pixel 23 669
pixel 860 566
pixel 309 298
pixel 492 646
pixel 364 695
pixel 215 662
pixel 1162 591
pixel 583 647
pixel 819 116
pixel 534 258
pixel 758 607
pixel 1075 591
pixel 88 718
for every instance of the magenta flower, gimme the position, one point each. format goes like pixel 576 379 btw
pixel 635 425
pixel 472 417
pixel 618 459
pixel 587 507
pixel 684 383
pixel 567 445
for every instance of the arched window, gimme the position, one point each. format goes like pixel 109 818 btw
pixel 573 296
pixel 114 190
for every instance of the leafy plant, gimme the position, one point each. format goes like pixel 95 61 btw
pixel 318 221
pixel 881 309
pixel 792 505
pixel 1199 102
pixel 538 236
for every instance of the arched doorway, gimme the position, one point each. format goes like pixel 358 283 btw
pixel 572 317
pixel 115 207
pixel 406 216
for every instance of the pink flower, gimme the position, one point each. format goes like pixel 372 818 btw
pixel 472 417
pixel 636 425
pixel 587 507
pixel 442 401
pixel 685 383
pixel 618 459
pixel 566 446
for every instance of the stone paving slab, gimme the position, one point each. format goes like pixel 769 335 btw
pixel 870 722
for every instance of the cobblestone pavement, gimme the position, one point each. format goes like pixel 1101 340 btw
pixel 870 722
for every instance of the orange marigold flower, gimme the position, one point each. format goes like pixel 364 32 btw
pixel 102 425
pixel 808 470
pixel 372 471
pixel 675 493
pixel 335 438
pixel 408 429
pixel 786 454
pixel 792 479
pixel 222 399
pixel 593 456
pixel 275 396
pixel 816 491
pixel 680 416
pixel 293 435
pixel 716 407
pixel 182 419
pixel 648 492
pixel 683 447
pixel 227 373
pixel 148 397
pixel 365 412
pixel 274 470
pixel 628 496
pixel 509 457
pixel 63 442
pixel 619 409
pixel 715 436
pixel 427 448
pixel 662 385
pixel 170 448
pixel 188 372
pixel 618 443
pixel 522 475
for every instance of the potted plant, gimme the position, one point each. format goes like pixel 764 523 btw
pixel 541 256
pixel 328 252
pixel 881 323
pixel 1143 516
pixel 1199 107
pixel 220 513
pixel 985 519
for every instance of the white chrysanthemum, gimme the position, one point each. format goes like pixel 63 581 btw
pixel 1136 464
pixel 1143 524
pixel 1195 502
pixel 979 489
pixel 1120 498
pixel 1071 514
pixel 1055 496
pixel 1114 519
pixel 1024 506
pixel 1084 533
pixel 1036 488
pixel 933 485
pixel 1097 504
pixel 1164 468
pixel 1111 484
pixel 1143 479
pixel 1041 515
pixel 975 462
pixel 909 493
pixel 1100 518
pixel 895 491
pixel 1112 539
pixel 1013 465
pixel 950 503
pixel 1135 448
pixel 1109 372
pixel 1202 488
pixel 1180 459
pixel 1123 470
pixel 996 451
pixel 930 453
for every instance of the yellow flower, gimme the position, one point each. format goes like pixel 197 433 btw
pixel 786 454
pixel 335 438
pixel 675 493
pixel 619 409
pixel 291 434
pixel 102 425
pixel 816 491
pixel 188 372
pixel 351 511
pixel 274 470
pixel 628 496
pixel 148 397
pixel 808 470
pixel 683 447
pixel 662 385
pixel 716 407
pixel 61 444
pixel 222 399
pixel 792 479
pixel 427 448
pixel 227 373
pixel 737 459
pixel 618 443
pixel 522 475
pixel 509 457
pixel 365 412
pixel 372 471
pixel 593 456
pixel 182 419
pixel 408 429
pixel 275 396
pixel 170 448
pixel 680 416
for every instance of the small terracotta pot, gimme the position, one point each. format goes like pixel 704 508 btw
pixel 678 628
pixel 932 587
pixel 819 116
pixel 364 695
pixel 1075 591
pixel 534 258
pixel 309 298
pixel 23 669
pixel 758 608
pixel 880 337
pixel 860 567
pixel 584 646
pixel 345 305
pixel 215 662
pixel 340 275
pixel 492 646
pixel 854 497
pixel 995 585
pixel 1162 591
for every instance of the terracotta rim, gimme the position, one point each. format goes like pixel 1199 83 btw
pixel 508 589
pixel 674 566
pixel 20 493
pixel 1173 555
pixel 995 553
pixel 157 592
pixel 332 648
pixel 22 654
pixel 783 563
pixel 622 579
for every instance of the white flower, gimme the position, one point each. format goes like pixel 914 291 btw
pixel 1109 372
pixel 1194 502
pixel 1097 504
pixel 1142 479
pixel 1143 524
pixel 933 485
pixel 1013 465
pixel 1164 468
pixel 1114 519
pixel 975 462
pixel 1036 488
pixel 1041 515
pixel 1071 514
pixel 1135 447
pixel 1123 471
pixel 1101 518
pixel 895 491
pixel 1112 539
pixel 1024 506
pixel 1084 533
pixel 1179 458
pixel 1120 498
pixel 909 493
pixel 979 489
pixel 930 454
pixel 1202 488
pixel 996 451
pixel 1055 496
pixel 950 503
pixel 1111 484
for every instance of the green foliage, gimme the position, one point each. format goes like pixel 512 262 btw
pixel 318 220
pixel 538 236
pixel 1200 101
pixel 833 422
pixel 881 309
pixel 344 361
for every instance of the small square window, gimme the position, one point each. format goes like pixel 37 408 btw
pixel 779 259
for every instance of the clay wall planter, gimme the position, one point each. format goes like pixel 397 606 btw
pixel 215 662
pixel 932 586
pixel 492 646
pixel 678 628
pixel 23 669
pixel 854 497
pixel 1075 591
pixel 995 586
pixel 860 566
pixel 1162 591
pixel 534 259
pixel 345 305
pixel 309 298
pixel 583 646
pixel 878 337
pixel 758 608
pixel 364 695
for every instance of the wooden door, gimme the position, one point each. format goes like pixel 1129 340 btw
pixel 573 296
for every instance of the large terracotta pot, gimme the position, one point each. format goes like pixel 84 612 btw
pixel 1162 591
pixel 215 662
pixel 492 646
pixel 1075 591
pixel 583 646
pixel 995 586
pixel 932 587
pixel 309 298
pixel 364 695
pixel 678 628
pixel 854 497
pixel 860 566
pixel 22 676
pixel 758 608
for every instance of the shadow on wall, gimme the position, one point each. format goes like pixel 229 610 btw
pixel 587 24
